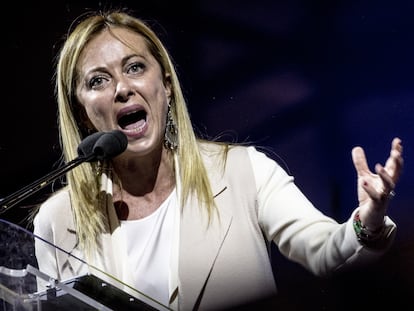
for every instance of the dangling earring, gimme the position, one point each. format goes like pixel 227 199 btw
pixel 171 133
pixel 97 168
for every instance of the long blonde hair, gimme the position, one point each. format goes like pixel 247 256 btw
pixel 83 182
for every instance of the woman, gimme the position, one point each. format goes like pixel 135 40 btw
pixel 174 217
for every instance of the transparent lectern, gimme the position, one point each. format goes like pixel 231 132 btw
pixel 20 276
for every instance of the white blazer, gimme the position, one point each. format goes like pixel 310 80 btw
pixel 225 263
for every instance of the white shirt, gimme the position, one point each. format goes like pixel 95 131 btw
pixel 148 242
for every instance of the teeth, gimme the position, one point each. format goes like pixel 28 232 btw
pixel 138 128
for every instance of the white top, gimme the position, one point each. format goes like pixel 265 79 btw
pixel 148 242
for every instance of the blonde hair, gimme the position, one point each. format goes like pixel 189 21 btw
pixel 88 207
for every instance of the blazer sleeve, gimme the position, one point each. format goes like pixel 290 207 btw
pixel 55 239
pixel 302 232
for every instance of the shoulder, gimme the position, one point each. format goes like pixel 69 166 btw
pixel 54 210
pixel 226 150
pixel 222 157
pixel 213 152
pixel 57 203
pixel 224 153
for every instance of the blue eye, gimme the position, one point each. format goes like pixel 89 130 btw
pixel 136 68
pixel 98 81
pixel 95 81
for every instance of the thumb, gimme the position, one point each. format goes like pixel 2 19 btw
pixel 360 161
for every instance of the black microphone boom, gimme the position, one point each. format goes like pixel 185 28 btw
pixel 98 146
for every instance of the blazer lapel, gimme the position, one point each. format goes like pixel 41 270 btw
pixel 200 243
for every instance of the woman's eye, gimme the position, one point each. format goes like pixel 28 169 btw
pixel 95 82
pixel 136 68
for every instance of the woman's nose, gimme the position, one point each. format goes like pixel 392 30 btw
pixel 123 90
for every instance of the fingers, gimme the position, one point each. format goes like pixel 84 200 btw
pixel 391 172
pixel 380 188
pixel 360 161
pixel 395 162
pixel 388 183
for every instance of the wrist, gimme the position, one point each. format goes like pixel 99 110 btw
pixel 366 235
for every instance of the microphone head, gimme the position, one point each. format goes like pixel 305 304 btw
pixel 110 144
pixel 103 145
pixel 85 148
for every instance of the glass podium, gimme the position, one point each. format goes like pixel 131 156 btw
pixel 20 276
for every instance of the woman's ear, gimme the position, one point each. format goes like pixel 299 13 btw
pixel 167 84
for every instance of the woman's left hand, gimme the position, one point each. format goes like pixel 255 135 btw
pixel 376 189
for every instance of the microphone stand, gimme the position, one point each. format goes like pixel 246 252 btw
pixel 25 192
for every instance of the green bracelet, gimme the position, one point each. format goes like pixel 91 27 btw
pixel 365 235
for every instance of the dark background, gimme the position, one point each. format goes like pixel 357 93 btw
pixel 307 79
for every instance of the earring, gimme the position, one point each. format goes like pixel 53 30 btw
pixel 98 168
pixel 171 132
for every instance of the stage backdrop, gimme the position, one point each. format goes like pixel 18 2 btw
pixel 308 80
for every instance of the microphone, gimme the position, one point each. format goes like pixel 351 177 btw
pixel 97 146
pixel 103 145
pixel 85 148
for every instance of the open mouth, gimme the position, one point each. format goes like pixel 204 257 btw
pixel 133 121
